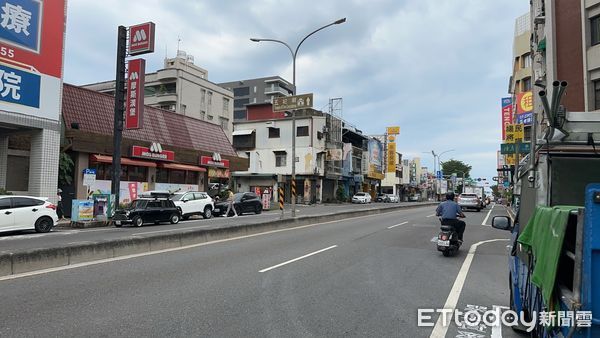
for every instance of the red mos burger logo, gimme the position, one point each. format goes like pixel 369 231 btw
pixel 155 152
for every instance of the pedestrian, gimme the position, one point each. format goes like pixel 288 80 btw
pixel 230 206
pixel 59 207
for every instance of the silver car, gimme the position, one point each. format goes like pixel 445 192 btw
pixel 393 198
pixel 469 201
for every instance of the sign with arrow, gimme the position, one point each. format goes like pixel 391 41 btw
pixel 293 102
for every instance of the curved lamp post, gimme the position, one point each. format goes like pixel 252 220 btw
pixel 294 54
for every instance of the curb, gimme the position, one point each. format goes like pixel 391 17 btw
pixel 12 263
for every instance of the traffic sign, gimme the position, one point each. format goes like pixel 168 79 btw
pixel 511 148
pixel 439 174
pixel 506 184
pixel 293 102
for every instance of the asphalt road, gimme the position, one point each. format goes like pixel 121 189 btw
pixel 360 277
pixel 25 240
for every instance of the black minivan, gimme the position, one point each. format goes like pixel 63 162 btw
pixel 144 210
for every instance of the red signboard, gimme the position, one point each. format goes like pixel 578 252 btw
pixel 214 161
pixel 507 114
pixel 134 104
pixel 31 56
pixel 141 38
pixel 153 154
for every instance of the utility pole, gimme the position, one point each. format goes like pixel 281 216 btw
pixel 119 110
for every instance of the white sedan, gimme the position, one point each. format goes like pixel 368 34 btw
pixel 361 197
pixel 26 213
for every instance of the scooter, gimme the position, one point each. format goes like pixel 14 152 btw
pixel 448 242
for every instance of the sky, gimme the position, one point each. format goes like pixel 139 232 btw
pixel 436 68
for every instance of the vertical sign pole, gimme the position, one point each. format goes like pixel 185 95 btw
pixel 281 200
pixel 119 109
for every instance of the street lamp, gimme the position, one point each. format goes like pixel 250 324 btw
pixel 439 165
pixel 294 55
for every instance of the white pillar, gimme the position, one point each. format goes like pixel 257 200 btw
pixel 43 163
pixel 3 160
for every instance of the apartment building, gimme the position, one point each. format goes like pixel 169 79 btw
pixel 184 88
pixel 256 91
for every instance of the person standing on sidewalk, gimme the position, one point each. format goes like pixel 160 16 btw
pixel 230 201
pixel 59 206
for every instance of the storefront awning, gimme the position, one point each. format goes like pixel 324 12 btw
pixel 242 132
pixel 178 166
pixel 124 161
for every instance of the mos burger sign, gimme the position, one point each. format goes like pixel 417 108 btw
pixel 214 161
pixel 154 152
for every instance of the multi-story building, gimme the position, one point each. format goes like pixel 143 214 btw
pixel 266 139
pixel 184 88
pixel 256 91
pixel 521 75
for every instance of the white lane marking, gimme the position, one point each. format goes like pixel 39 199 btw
pixel 120 258
pixel 487 217
pixel 431 216
pixel 296 259
pixel 439 330
pixel 395 225
pixel 497 329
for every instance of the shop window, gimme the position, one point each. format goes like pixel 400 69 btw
pixel 137 174
pixel 302 131
pixel 162 175
pixel 177 176
pixel 191 177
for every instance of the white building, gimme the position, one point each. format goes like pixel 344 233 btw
pixel 268 143
pixel 184 88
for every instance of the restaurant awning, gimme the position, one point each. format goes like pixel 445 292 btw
pixel 242 132
pixel 124 161
pixel 178 166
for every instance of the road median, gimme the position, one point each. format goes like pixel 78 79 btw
pixel 17 262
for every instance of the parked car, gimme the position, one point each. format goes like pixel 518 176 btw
pixel 413 198
pixel 469 201
pixel 148 210
pixel 361 197
pixel 26 213
pixel 393 198
pixel 194 203
pixel 242 202
pixel 382 198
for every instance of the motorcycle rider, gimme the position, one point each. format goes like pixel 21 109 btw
pixel 449 211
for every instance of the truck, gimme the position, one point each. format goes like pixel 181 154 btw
pixel 554 259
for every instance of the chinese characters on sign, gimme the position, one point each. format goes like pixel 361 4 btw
pixel 507 112
pixel 393 130
pixel 31 51
pixel 293 102
pixel 391 157
pixel 134 104
pixel 524 108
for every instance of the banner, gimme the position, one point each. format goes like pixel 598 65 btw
pixel 507 112
pixel 134 103
pixel 524 102
pixel 391 158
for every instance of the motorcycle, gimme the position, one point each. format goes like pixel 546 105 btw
pixel 448 242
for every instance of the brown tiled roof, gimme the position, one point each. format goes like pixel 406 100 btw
pixel 94 112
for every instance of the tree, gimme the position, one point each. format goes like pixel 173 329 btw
pixel 65 170
pixel 456 167
pixel 495 190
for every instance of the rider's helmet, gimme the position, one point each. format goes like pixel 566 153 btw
pixel 450 196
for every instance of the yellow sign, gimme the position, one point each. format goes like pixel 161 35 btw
pixel 391 138
pixel 393 130
pixel 525 102
pixel 510 159
pixel 374 173
pixel 391 158
pixel 514 133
